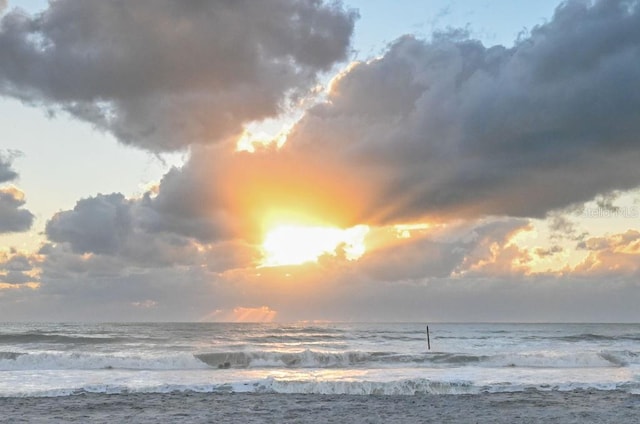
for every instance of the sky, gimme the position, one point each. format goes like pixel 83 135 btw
pixel 293 160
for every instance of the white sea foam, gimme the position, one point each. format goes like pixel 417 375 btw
pixel 93 361
pixel 407 387
pixel 308 359
pixel 550 359
pixel 366 359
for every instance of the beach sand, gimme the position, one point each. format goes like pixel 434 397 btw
pixel 523 407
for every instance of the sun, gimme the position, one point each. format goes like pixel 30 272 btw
pixel 293 244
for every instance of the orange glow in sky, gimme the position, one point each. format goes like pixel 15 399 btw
pixel 298 244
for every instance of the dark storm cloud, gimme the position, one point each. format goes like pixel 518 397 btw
pixel 13 218
pixel 450 126
pixel 162 74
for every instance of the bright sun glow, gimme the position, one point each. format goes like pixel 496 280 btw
pixel 298 244
pixel 263 134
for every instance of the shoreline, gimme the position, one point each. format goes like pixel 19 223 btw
pixel 578 406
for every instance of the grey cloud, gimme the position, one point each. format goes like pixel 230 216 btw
pixel 117 286
pixel 486 299
pixel 96 225
pixel 544 253
pixel 489 253
pixel 124 233
pixel 19 263
pixel 15 277
pixel 188 295
pixel 610 257
pixel 110 292
pixel 163 74
pixel 13 218
pixel 605 201
pixel 188 202
pixel 562 227
pixel 628 239
pixel 112 287
pixel 18 268
pixel 452 127
pixel 6 171
pixel 441 253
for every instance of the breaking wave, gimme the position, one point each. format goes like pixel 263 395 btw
pixel 313 359
pixel 306 359
pixel 10 361
pixel 403 387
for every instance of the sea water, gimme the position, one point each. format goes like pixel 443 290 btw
pixel 331 358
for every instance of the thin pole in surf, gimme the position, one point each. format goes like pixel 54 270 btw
pixel 428 339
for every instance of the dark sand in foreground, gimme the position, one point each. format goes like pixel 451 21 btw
pixel 525 407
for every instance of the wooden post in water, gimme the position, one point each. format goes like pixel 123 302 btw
pixel 428 340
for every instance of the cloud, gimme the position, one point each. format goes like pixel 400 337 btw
pixel 470 138
pixel 222 194
pixel 345 292
pixel 612 255
pixel 96 225
pixel 3 5
pixel 438 130
pixel 455 271
pixel 6 172
pixel 452 128
pixel 164 74
pixel 104 252
pixel 136 232
pixel 544 253
pixel 13 218
pixel 454 250
pixel 18 269
pixel 242 314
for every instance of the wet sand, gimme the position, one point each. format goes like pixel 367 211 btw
pixel 524 407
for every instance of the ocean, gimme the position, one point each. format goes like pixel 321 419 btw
pixel 66 360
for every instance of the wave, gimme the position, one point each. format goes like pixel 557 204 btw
pixel 307 359
pixel 10 355
pixel 37 337
pixel 592 337
pixel 315 359
pixel 12 361
pixel 304 359
pixel 403 387
pixel 587 337
pixel 599 359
